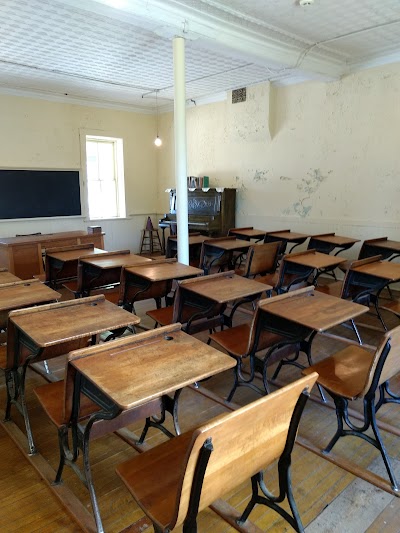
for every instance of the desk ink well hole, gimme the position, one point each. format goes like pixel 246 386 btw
pixel 27 284
pixel 168 338
pixel 93 304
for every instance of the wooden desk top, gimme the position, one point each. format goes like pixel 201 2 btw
pixel 7 277
pixel 193 239
pixel 313 309
pixel 132 372
pixel 25 295
pixel 159 271
pixel 248 233
pixel 381 269
pixel 43 237
pixel 289 236
pixel 338 240
pixel 48 325
pixel 386 243
pixel 315 259
pixel 227 288
pixel 115 261
pixel 229 244
pixel 73 255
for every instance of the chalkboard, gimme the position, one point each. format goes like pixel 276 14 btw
pixel 39 193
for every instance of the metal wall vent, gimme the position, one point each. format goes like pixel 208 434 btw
pixel 238 95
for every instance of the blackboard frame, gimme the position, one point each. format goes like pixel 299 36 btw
pixel 33 193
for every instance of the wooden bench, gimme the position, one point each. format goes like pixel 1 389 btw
pixel 176 480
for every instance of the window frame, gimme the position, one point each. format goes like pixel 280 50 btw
pixel 117 143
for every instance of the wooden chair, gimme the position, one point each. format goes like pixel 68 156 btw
pixel 356 373
pixel 290 275
pixel 262 259
pixel 358 287
pixel 83 419
pixel 176 480
pixel 195 313
pixel 245 341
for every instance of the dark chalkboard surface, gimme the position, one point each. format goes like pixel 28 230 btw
pixel 39 193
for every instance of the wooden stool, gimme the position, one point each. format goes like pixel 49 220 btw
pixel 150 239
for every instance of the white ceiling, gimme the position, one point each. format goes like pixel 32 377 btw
pixel 119 52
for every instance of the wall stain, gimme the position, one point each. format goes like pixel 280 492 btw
pixel 260 176
pixel 307 187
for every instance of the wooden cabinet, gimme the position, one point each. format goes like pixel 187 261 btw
pixel 23 257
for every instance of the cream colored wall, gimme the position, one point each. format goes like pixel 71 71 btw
pixel 312 157
pixel 38 134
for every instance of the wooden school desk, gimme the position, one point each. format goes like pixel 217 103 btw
pixel 63 264
pixel 214 249
pixel 100 271
pixel 152 280
pixel 383 246
pixel 48 331
pixel 248 233
pixel 286 236
pixel 23 293
pixel 130 372
pixel 327 242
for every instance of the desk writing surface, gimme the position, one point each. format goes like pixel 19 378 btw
pixel 381 269
pixel 315 310
pixel 386 244
pixel 114 261
pixel 7 277
pixel 316 260
pixel 193 240
pixel 71 255
pixel 164 271
pixel 228 288
pixel 287 235
pixel 249 233
pixel 229 244
pixel 133 372
pixel 338 240
pixel 25 295
pixel 47 327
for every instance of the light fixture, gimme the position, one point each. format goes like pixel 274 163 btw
pixel 157 140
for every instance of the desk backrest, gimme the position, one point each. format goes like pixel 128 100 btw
pixel 385 363
pixel 243 443
pixel 262 259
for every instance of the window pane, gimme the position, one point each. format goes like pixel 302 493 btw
pixel 103 188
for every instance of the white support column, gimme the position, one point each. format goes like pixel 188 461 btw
pixel 180 150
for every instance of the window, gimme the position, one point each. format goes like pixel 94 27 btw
pixel 105 177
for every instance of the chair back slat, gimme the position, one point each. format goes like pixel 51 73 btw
pixel 389 348
pixel 244 442
pixel 262 259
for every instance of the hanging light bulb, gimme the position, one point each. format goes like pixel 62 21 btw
pixel 157 141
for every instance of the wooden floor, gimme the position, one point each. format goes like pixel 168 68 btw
pixel 27 504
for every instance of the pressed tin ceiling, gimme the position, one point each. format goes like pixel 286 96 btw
pixel 118 53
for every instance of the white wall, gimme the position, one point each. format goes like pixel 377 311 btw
pixel 312 157
pixel 36 134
